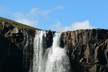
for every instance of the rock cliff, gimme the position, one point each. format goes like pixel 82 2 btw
pixel 87 49
pixel 16 48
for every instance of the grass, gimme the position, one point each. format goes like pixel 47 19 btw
pixel 17 24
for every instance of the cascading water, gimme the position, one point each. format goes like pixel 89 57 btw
pixel 55 58
pixel 38 50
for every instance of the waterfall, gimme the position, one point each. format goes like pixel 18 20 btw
pixel 38 50
pixel 55 58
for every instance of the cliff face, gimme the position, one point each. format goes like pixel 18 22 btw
pixel 87 49
pixel 16 48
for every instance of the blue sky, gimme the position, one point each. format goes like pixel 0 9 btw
pixel 59 15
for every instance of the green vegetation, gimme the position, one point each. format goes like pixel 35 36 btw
pixel 16 24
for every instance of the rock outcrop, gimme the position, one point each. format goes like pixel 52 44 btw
pixel 16 48
pixel 87 49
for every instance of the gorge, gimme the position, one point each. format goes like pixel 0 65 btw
pixel 31 50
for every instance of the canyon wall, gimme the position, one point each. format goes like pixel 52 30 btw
pixel 87 50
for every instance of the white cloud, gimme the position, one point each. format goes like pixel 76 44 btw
pixel 27 22
pixel 34 11
pixel 44 12
pixel 30 18
pixel 74 26
pixel 51 10
pixel 25 18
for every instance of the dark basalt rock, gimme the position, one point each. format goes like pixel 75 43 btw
pixel 87 49
pixel 16 48
pixel 49 38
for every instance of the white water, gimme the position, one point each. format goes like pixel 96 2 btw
pixel 38 50
pixel 54 59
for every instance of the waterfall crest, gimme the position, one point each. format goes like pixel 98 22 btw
pixel 55 58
